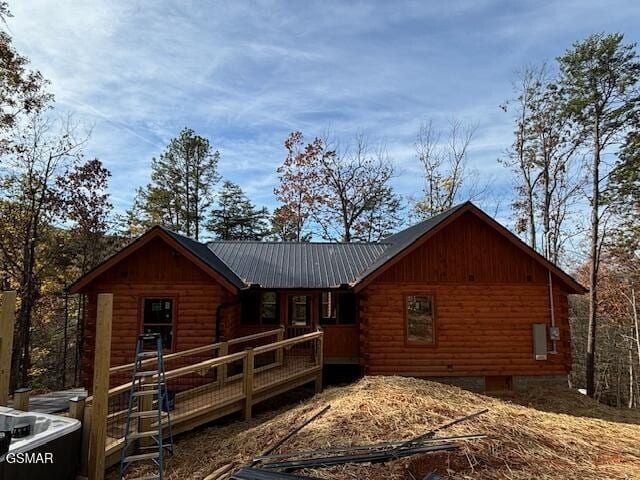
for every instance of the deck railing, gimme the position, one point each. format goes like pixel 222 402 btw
pixel 204 389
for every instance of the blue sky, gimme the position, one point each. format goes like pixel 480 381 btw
pixel 245 74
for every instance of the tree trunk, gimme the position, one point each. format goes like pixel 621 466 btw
pixel 636 325
pixel 23 363
pixel 65 340
pixel 532 219
pixel 593 273
pixel 630 402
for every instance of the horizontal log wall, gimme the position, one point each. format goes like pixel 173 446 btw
pixel 157 271
pixel 488 293
pixel 480 330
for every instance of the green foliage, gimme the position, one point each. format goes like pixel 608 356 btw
pixel 181 188
pixel 599 80
pixel 235 217
pixel 22 91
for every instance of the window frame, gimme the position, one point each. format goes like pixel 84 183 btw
pixel 339 322
pixel 308 309
pixel 174 323
pixel 276 305
pixel 405 304
pixel 335 302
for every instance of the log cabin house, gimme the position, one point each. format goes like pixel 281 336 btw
pixel 456 297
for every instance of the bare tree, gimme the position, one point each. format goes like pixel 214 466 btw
pixel 544 162
pixel 447 176
pixel 342 191
pixel 355 189
pixel 520 157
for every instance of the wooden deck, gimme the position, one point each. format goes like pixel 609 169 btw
pixel 236 383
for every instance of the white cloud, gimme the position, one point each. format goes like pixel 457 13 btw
pixel 245 74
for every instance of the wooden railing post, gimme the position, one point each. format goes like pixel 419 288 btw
pixel 21 399
pixel 222 369
pixel 76 408
pixel 100 407
pixel 319 359
pixel 86 438
pixel 7 322
pixel 280 351
pixel 248 384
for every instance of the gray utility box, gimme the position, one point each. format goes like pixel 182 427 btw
pixel 540 341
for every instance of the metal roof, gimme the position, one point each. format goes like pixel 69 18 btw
pixel 296 265
pixel 203 253
pixel 312 264
pixel 304 264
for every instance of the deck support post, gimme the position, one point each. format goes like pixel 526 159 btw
pixel 76 408
pixel 319 360
pixel 86 435
pixel 77 411
pixel 100 410
pixel 223 351
pixel 7 322
pixel 248 384
pixel 280 351
pixel 21 399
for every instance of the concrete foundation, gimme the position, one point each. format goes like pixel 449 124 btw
pixel 520 382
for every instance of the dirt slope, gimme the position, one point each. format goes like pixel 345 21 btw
pixel 558 434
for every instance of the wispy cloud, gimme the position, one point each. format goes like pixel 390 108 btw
pixel 245 74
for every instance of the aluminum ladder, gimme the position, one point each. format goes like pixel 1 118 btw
pixel 148 388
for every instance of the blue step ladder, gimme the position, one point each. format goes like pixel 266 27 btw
pixel 147 383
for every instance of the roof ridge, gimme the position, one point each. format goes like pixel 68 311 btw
pixel 275 242
pixel 182 235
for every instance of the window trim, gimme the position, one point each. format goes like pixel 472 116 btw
pixel 309 308
pixel 174 309
pixel 337 301
pixel 276 304
pixel 405 306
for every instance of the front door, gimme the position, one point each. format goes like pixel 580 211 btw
pixel 298 315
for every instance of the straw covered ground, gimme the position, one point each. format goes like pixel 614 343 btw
pixel 552 434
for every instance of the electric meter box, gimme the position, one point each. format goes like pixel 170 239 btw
pixel 540 341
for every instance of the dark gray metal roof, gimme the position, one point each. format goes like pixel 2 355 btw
pixel 296 265
pixel 303 264
pixel 207 256
pixel 317 265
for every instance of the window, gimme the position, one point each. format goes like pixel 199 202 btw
pixel 299 310
pixel 338 308
pixel 328 308
pixel 260 308
pixel 158 318
pixel 420 319
pixel 269 308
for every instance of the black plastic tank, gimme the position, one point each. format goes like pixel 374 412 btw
pixel 41 446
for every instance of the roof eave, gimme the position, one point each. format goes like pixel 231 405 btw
pixel 574 286
pixel 154 232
